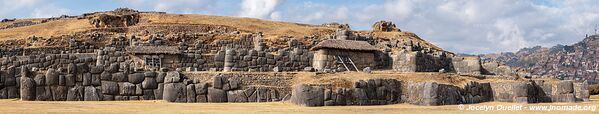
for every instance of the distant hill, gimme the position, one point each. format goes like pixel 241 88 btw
pixel 579 61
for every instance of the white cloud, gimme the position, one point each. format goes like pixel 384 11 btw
pixel 463 26
pixel 257 8
pixel 8 7
pixel 467 26
pixel 48 11
pixel 508 35
pixel 398 8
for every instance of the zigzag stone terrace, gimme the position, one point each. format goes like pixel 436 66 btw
pixel 199 63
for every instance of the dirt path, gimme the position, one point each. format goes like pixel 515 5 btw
pixel 12 106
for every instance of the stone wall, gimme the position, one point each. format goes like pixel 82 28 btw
pixel 84 82
pixel 470 65
pixel 495 68
pixel 370 92
pixel 431 93
pixel 329 59
pixel 390 91
pixel 536 91
pixel 418 61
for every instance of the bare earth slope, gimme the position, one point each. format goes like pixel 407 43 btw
pixel 184 23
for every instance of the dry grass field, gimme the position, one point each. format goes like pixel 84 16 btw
pixel 13 106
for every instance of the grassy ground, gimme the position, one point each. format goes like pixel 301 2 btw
pixel 12 106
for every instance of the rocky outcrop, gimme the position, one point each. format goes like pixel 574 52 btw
pixel 117 18
pixel 385 26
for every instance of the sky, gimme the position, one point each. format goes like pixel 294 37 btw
pixel 462 26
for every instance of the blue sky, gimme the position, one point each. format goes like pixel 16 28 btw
pixel 463 26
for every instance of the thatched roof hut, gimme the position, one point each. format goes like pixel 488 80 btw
pixel 153 50
pixel 345 45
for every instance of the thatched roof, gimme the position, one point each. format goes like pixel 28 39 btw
pixel 153 49
pixel 345 45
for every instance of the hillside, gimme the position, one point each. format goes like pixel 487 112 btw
pixel 577 61
pixel 145 24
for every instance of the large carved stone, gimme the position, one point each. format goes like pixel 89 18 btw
pixel 175 92
pixel 307 95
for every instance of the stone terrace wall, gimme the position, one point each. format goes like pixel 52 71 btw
pixel 539 91
pixel 83 82
pixel 370 92
pixel 380 91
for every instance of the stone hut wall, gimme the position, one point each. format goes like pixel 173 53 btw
pixel 327 59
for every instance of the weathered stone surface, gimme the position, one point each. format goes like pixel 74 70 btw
pixel 201 98
pixel 108 98
pixel 40 80
pixel 172 77
pixel 72 68
pixel 136 78
pixel 119 77
pixel 564 87
pixel 106 76
pixel 82 68
pixel 582 91
pixel 126 88
pixel 70 80
pixel 110 88
pixel 96 69
pixel 150 74
pixel 216 95
pixel 469 65
pixel 160 77
pixel 75 94
pixel 91 94
pixel 87 79
pixel 175 92
pixel 96 81
pixel 148 94
pixel 218 82
pixel 52 77
pixel 121 98
pixel 27 89
pixel 134 98
pixel 158 93
pixel 234 83
pixel 43 93
pixel 191 93
pixel 201 88
pixel 236 96
pixel 431 93
pixel 149 83
pixel 112 68
pixel 59 93
pixel 12 92
pixel 307 95
pixel 385 26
